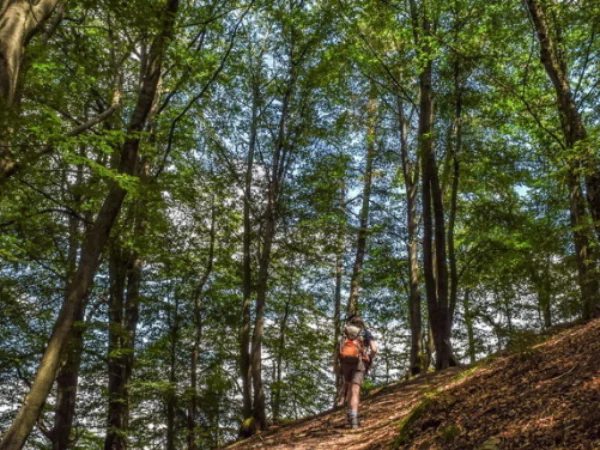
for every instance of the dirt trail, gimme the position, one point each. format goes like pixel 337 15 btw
pixel 380 412
pixel 539 395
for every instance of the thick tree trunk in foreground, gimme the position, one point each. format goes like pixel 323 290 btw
pixel 19 22
pixel 363 230
pixel 411 184
pixel 15 437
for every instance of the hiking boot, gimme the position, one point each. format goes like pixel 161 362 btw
pixel 352 421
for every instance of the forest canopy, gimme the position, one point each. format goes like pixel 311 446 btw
pixel 195 195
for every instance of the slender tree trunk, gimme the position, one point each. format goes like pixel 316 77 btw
pixel 469 325
pixel 192 411
pixel 411 184
pixel 115 439
pixel 245 361
pixel 552 55
pixel 281 347
pixel 434 235
pixel 586 266
pixel 455 149
pixel 363 230
pixel 260 418
pixel 67 379
pixel 277 176
pixel 172 394
pixel 15 437
pixel 127 274
pixel 337 306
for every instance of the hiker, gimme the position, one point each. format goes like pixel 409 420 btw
pixel 356 351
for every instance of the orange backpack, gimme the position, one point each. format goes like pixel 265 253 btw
pixel 352 350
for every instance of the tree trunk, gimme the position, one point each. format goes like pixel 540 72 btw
pixel 172 393
pixel 411 184
pixel 67 379
pixel 245 361
pixel 454 149
pixel 281 347
pixel 19 22
pixel 192 411
pixel 434 236
pixel 337 302
pixel 469 325
pixel 553 57
pixel 259 413
pixel 116 427
pixel 277 176
pixel 15 437
pixel 363 230
pixel 586 266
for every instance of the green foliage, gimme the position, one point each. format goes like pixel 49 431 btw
pixel 515 254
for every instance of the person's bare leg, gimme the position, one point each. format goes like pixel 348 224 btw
pixel 348 395
pixel 352 405
pixel 354 397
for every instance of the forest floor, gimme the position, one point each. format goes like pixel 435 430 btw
pixel 543 393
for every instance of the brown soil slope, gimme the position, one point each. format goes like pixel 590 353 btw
pixel 545 396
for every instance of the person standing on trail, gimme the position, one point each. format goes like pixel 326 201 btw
pixel 356 351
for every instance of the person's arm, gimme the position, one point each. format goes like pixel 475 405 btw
pixel 372 343
pixel 373 347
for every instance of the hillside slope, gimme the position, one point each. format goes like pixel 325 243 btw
pixel 544 396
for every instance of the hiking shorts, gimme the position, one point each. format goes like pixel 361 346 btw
pixel 352 373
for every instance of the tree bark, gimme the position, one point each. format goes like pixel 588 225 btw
pixel 245 361
pixel 15 437
pixel 172 393
pixel 363 230
pixel 19 22
pixel 469 325
pixel 434 235
pixel 552 55
pixel 281 346
pixel 67 379
pixel 337 298
pixel 193 408
pixel 116 426
pixel 586 266
pixel 454 148
pixel 277 176
pixel 411 184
